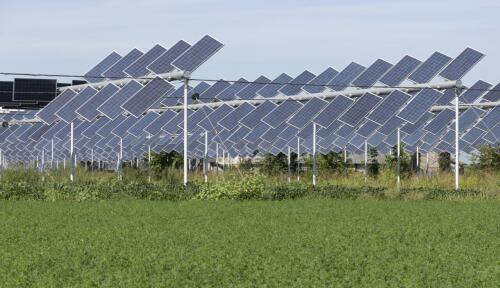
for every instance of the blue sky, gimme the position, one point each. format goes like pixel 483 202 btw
pixel 260 37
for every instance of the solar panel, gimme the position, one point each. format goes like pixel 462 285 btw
pixel 39 132
pixel 90 131
pixel 146 97
pixel 288 133
pixel 230 92
pixel 34 89
pixel 49 133
pixel 138 128
pixel 176 97
pixel 121 130
pixel 447 96
pixel 388 107
pixel 67 112
pixel 163 64
pixel 231 120
pixel 272 133
pixel 281 113
pixel 250 91
pixel 411 127
pixel 307 112
pixel 198 89
pixel 392 124
pixel 333 110
pixel 400 71
pixel 491 119
pixel 306 132
pixel 493 95
pixel 95 74
pixel 368 128
pixel 359 109
pixel 323 132
pixel 197 117
pixel 323 78
pixel 468 117
pixel 105 130
pixel 47 113
pixel 210 122
pixel 372 73
pixel 357 140
pixel 439 122
pixel 474 92
pixel 297 83
pixel 200 52
pixel 259 112
pixel 271 89
pixel 212 91
pixel 116 71
pixel 472 135
pixel 429 68
pixel 420 104
pixel 111 107
pixel 462 64
pixel 174 125
pixel 139 67
pixel 241 132
pixel 345 131
pixel 257 132
pixel 89 109
pixel 376 139
pixel 345 77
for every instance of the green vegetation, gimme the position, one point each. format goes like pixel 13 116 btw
pixel 292 243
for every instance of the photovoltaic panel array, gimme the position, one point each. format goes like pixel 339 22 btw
pixel 197 54
pixel 145 98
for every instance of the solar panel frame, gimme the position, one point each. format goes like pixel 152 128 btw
pixel 230 92
pixel 47 113
pixel 146 97
pixel 295 86
pixel 372 73
pixel 419 104
pixel 323 78
pixel 88 110
pixel 271 89
pixel 139 67
pixel 307 112
pixel 346 76
pixel 284 110
pixel 474 92
pixel 259 112
pixel 116 70
pixel 250 91
pixel 230 121
pixel 67 112
pixel 430 68
pixel 138 128
pixel 95 74
pixel 400 71
pixel 163 64
pixel 462 64
pixel 333 110
pixel 362 106
pixel 200 52
pixel 111 107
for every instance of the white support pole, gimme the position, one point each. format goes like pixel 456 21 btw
pixel 457 136
pixel 427 164
pixel 119 162
pixel 418 161
pixel 71 155
pixel 345 160
pixel 289 164
pixel 366 160
pixel 314 155
pixel 399 159
pixel 217 158
pixel 298 159
pixel 205 159
pixel 185 180
pixel 52 154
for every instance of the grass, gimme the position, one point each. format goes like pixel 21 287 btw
pixel 363 243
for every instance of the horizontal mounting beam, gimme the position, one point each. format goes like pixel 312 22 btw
pixel 465 106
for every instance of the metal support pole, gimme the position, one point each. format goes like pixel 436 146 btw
pixel 205 158
pixel 289 164
pixel 314 155
pixel 185 180
pixel 457 136
pixel 119 164
pixel 427 164
pixel 217 158
pixel 298 159
pixel 52 154
pixel 366 161
pixel 418 161
pixel 399 159
pixel 345 160
pixel 71 155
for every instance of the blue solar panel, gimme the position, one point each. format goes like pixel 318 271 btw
pixel 39 132
pixel 411 127
pixel 197 117
pixel 345 77
pixel 323 132
pixel 47 113
pixel 90 131
pixel 368 128
pixel 376 139
pixel 472 135
pixel 231 120
pixel 105 130
pixel 271 89
pixel 209 94
pixel 400 71
pixel 241 132
pixel 439 122
pixel 462 64
pixel 288 133
pixel 174 125
pixel 163 64
pixel 372 73
pixel 89 109
pixel 121 130
pixel 250 91
pixel 333 110
pixel 257 132
pixel 307 112
pixel 420 104
pixel 138 128
pixel 272 133
pixel 176 97
pixel 447 96
pixel 111 107
pixel 230 92
pixel 468 117
pixel 146 97
pixel 491 119
pixel 116 71
pixel 429 68
pixel 258 113
pixel 95 74
pixel 297 83
pixel 322 79
pixel 200 52
pixel 281 113
pixel 345 131
pixel 211 120
pixel 357 141
pixel 154 127
pixel 139 67
pixel 474 92
pixel 392 124
pixel 198 89
pixel 493 95
pixel 388 107
pixel 359 109
pixel 52 130
pixel 67 112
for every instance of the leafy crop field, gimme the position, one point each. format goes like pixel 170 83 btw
pixel 302 242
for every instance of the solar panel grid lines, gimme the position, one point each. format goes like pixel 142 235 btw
pixel 231 120
pixel 333 110
pixel 47 113
pixel 272 133
pixel 122 128
pixel 367 128
pixel 474 92
pixel 250 91
pixel 288 133
pixel 95 74
pixel 376 139
pixel 400 71
pixel 430 68
pixel 116 70
pixel 257 132
pixel 388 107
pixel 105 130
pixel 271 89
pixel 198 89
pixel 88 110
pixel 372 73
pixel 111 107
pixel 174 125
pixel 67 112
pixel 493 95
pixel 147 96
pixel 284 110
pixel 294 86
pixel 419 104
pixel 240 132
pixel 259 112
pixel 462 64
pixel 447 96
pixel 215 116
pixel 230 92
pixel 39 132
pixel 49 133
pixel 323 78
pixel 392 124
pixel 468 117
pixel 139 67
pixel 345 131
pixel 491 119
pixel 438 123
pixel 346 76
pixel 213 90
pixel 163 64
pixel 357 140
pixel 90 131
pixel 411 127
pixel 307 112
pixel 472 135
pixel 359 109
pixel 175 97
pixel 200 52
pixel 138 128
pixel 198 116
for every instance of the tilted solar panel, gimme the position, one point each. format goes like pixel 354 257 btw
pixel 47 113
pixel 139 67
pixel 359 109
pixel 111 107
pixel 95 74
pixel 399 72
pixel 462 64
pixel 116 71
pixel 372 73
pixel 271 89
pixel 281 113
pixel 323 78
pixel 68 111
pixel 89 109
pixel 200 52
pixel 345 77
pixel 163 63
pixel 333 110
pixel 294 87
pixel 146 97
pixel 429 68
pixel 420 104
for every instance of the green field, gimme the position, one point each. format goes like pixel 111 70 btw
pixel 362 243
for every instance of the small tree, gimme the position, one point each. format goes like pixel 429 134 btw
pixel 444 162
pixel 277 164
pixel 391 160
pixel 373 165
pixel 333 161
pixel 488 158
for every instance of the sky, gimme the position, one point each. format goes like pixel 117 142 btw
pixel 260 37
